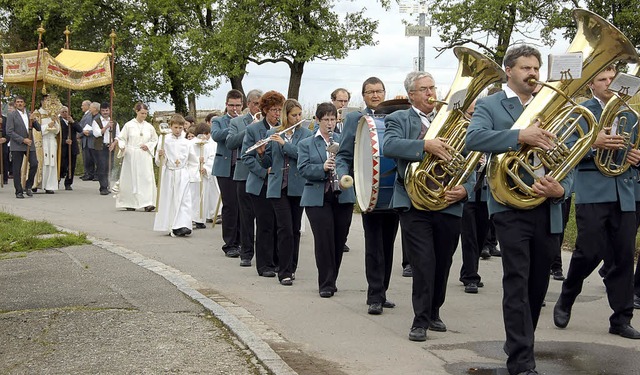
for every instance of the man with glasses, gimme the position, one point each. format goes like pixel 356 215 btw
pixel 380 227
pixel 224 166
pixel 429 237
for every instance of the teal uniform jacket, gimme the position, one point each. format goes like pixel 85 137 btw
pixel 222 161
pixel 401 143
pixel 235 136
pixel 274 158
pixel 312 153
pixel 490 131
pixel 591 186
pixel 258 174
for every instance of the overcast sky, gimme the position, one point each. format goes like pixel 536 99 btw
pixel 390 60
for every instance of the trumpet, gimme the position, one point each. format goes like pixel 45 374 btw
pixel 264 141
pixel 332 149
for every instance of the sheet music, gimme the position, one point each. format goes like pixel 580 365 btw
pixel 625 84
pixel 565 66
pixel 456 100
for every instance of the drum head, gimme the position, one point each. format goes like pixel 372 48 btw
pixel 366 164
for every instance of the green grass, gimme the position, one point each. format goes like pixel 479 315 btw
pixel 17 234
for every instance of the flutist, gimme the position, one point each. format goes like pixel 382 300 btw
pixel 329 213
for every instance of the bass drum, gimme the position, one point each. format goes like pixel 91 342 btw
pixel 374 175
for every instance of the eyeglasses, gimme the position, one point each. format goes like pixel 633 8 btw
pixel 425 89
pixel 372 92
pixel 275 110
pixel 328 120
pixel 234 105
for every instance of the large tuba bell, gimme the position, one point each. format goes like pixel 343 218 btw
pixel 511 174
pixel 428 180
pixel 614 162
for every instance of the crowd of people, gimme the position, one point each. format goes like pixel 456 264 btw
pixel 263 164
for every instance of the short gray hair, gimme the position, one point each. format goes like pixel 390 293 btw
pixel 411 79
pixel 255 93
pixel 522 50
pixel 95 105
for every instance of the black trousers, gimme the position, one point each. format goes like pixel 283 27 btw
pixel 330 226
pixel 230 213
pixel 5 162
pixel 602 228
pixel 380 229
pixel 527 249
pixel 288 221
pixel 88 162
pixel 475 226
pixel 491 239
pixel 556 263
pixel 101 158
pixel 246 218
pixel 265 232
pixel 636 279
pixel 431 238
pixel 17 157
pixel 64 166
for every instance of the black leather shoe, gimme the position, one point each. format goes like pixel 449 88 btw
pixel 495 252
pixel 636 302
pixel 418 334
pixel 561 315
pixel 49 191
pixel 104 192
pixel 326 293
pixel 286 281
pixel 407 271
pixel 471 288
pixel 437 325
pixel 68 188
pixel 19 195
pixel 346 249
pixel 268 273
pixel 557 275
pixel 201 226
pixel 626 331
pixel 245 262
pixel 375 308
pixel 388 304
pixel 480 284
pixel 29 192
pixel 485 253
pixel 232 253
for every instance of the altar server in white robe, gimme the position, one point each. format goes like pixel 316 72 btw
pixel 199 176
pixel 136 143
pixel 175 203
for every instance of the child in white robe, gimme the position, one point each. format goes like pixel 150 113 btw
pixel 211 190
pixel 175 203
pixel 198 175
pixel 50 130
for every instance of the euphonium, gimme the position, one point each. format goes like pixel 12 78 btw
pixel 428 180
pixel 614 162
pixel 511 174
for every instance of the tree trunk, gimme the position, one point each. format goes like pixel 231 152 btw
pixel 177 91
pixel 295 79
pixel 192 105
pixel 236 82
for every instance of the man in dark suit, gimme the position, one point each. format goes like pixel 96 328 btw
pixel 20 130
pixel 5 150
pixel 528 238
pixel 69 145
pixel 605 217
pixel 224 166
pixel 86 141
pixel 235 136
pixel 380 227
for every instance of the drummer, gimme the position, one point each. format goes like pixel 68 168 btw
pixel 380 227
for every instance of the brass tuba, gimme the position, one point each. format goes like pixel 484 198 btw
pixel 427 181
pixel 614 162
pixel 511 174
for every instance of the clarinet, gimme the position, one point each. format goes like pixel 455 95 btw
pixel 332 149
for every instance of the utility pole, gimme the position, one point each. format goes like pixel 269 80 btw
pixel 421 30
pixel 421 22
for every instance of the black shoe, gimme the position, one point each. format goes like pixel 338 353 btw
pixel 232 253
pixel 388 304
pixel 557 275
pixel 19 195
pixel 471 288
pixel 49 191
pixel 186 231
pixel 104 192
pixel 485 253
pixel 201 226
pixel 528 372
pixel 245 262
pixel 495 252
pixel 375 309
pixel 636 302
pixel 480 284
pixel 68 188
pixel 626 331
pixel 346 249
pixel 286 281
pixel 35 190
pixel 268 273
pixel 130 209
pixel 29 192
pixel 418 334
pixel 326 293
pixel 407 271
pixel 437 325
pixel 95 179
pixel 561 315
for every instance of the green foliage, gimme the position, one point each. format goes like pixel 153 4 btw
pixel 17 234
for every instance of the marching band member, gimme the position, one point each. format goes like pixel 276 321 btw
pixel 237 130
pixel 137 142
pixel 175 203
pixel 380 227
pixel 329 214
pixel 223 168
pixel 430 237
pixel 266 254
pixel 606 222
pixel 285 186
pixel 528 238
